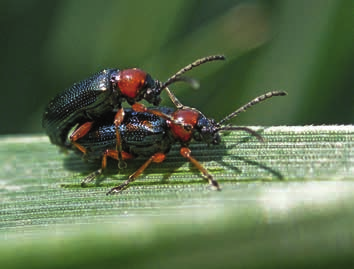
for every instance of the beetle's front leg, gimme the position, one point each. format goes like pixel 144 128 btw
pixel 118 119
pixel 186 152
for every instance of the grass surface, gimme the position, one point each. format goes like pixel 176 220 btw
pixel 286 202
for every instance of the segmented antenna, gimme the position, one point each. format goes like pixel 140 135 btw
pixel 253 102
pixel 177 75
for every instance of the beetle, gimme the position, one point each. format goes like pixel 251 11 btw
pixel 148 135
pixel 92 98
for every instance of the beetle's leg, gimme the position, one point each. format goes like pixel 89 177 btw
pixel 141 108
pixel 186 152
pixel 108 153
pixel 156 158
pixel 80 132
pixel 118 119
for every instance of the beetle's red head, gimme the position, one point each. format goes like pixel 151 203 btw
pixel 135 84
pixel 187 123
pixel 191 124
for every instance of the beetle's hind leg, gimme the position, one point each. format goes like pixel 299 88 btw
pixel 156 158
pixel 108 153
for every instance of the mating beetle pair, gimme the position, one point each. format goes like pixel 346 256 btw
pixel 106 130
pixel 91 99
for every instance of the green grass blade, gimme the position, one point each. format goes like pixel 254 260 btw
pixel 285 202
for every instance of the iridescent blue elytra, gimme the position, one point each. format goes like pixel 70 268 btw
pixel 91 98
pixel 142 134
pixel 77 104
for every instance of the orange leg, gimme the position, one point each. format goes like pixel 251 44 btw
pixel 118 119
pixel 156 158
pixel 186 152
pixel 81 131
pixel 108 153
pixel 141 108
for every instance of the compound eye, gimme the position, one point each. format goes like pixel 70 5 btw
pixel 131 81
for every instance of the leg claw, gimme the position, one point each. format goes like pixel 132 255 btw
pixel 115 190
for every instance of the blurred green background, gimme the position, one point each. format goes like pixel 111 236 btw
pixel 303 47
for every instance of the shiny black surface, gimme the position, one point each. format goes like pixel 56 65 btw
pixel 142 134
pixel 84 101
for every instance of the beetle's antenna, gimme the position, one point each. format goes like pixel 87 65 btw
pixel 191 81
pixel 253 102
pixel 177 75
pixel 174 99
pixel 178 104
